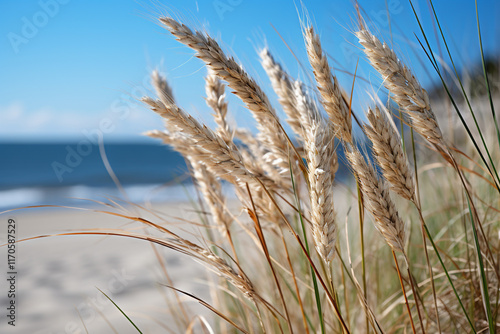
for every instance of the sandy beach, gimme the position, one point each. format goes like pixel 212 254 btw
pixel 57 277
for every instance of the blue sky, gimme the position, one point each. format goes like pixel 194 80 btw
pixel 70 67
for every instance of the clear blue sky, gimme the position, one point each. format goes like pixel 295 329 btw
pixel 67 66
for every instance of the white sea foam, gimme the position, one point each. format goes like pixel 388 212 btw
pixel 78 195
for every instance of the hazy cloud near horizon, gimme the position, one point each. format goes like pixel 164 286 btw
pixel 20 123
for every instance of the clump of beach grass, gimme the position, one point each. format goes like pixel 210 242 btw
pixel 302 200
pixel 302 254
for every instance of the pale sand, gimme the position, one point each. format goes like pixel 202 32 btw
pixel 58 275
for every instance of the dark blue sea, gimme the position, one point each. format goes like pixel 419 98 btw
pixel 54 173
pixel 65 173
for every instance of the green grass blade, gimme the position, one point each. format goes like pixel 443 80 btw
pixel 430 55
pixel 484 281
pixel 465 93
pixel 294 295
pixel 486 80
pixel 119 309
pixel 449 278
pixel 306 244
pixel 362 241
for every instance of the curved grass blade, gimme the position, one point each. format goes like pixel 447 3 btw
pixel 449 279
pixel 119 309
pixel 484 281
pixel 434 63
pixel 463 89
pixel 315 283
pixel 208 306
pixel 486 80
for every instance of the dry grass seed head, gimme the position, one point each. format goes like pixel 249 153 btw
pixel 215 91
pixel 322 163
pixel 208 50
pixel 187 135
pixel 162 88
pixel 331 94
pixel 389 153
pixel 283 86
pixel 219 266
pixel 211 190
pixel 379 202
pixel 405 89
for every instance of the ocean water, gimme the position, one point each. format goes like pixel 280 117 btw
pixel 56 173
pixel 65 173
